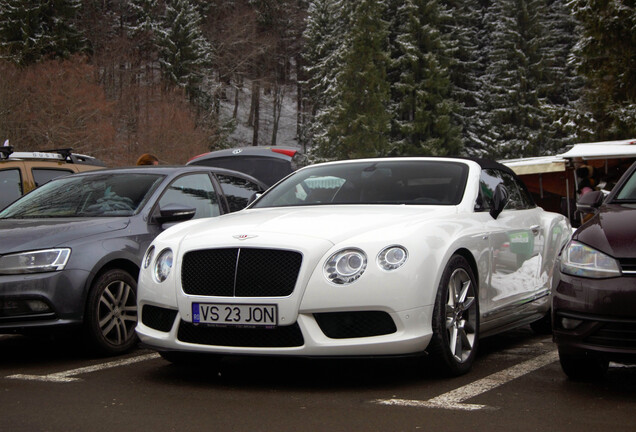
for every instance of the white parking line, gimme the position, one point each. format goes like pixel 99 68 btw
pixel 67 376
pixel 454 399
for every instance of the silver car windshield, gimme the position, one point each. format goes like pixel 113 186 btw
pixel 96 195
pixel 382 182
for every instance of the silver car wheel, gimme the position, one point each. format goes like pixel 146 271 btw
pixel 117 312
pixel 461 315
pixel 111 313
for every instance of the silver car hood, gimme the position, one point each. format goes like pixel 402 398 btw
pixel 32 234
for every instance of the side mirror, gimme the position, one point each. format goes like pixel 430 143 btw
pixel 590 202
pixel 499 200
pixel 175 213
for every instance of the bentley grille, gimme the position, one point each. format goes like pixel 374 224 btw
pixel 240 272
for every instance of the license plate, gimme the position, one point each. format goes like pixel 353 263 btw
pixel 235 314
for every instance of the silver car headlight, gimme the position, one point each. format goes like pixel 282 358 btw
pixel 581 260
pixel 40 261
pixel 392 257
pixel 345 266
pixel 163 265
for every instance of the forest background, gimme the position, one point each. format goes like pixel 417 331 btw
pixel 338 78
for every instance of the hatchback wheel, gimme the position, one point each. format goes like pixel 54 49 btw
pixel 111 313
pixel 455 319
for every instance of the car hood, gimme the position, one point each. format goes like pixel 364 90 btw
pixel 612 231
pixel 29 234
pixel 330 223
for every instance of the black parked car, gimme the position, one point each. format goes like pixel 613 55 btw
pixel 268 164
pixel 71 250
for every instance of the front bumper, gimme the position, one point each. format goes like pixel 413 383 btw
pixel 343 333
pixel 595 315
pixel 41 300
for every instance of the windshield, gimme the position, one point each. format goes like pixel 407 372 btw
pixel 628 191
pixel 372 182
pixel 109 194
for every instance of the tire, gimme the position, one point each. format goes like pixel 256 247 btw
pixel 111 313
pixel 453 346
pixel 583 367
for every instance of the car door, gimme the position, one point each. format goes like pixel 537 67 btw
pixel 516 240
pixel 195 191
pixel 192 191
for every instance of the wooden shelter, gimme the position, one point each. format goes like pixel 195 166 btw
pixel 553 182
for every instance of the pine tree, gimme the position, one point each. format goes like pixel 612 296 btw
pixel 184 53
pixel 30 31
pixel 361 122
pixel 607 61
pixel 560 87
pixel 465 30
pixel 323 58
pixel 516 123
pixel 420 87
pixel 142 18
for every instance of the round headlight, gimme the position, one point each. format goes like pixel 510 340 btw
pixel 392 257
pixel 346 266
pixel 163 265
pixel 148 258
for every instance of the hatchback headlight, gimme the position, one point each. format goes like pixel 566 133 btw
pixel 40 261
pixel 346 266
pixel 581 260
pixel 163 265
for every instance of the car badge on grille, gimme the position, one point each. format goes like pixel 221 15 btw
pixel 244 236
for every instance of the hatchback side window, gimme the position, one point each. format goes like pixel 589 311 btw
pixel 10 186
pixel 195 191
pixel 237 190
pixel 44 175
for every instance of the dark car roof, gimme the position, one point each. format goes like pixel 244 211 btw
pixel 280 152
pixel 176 169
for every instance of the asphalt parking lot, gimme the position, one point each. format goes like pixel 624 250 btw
pixel 516 384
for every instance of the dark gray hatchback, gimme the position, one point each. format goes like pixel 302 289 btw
pixel 71 250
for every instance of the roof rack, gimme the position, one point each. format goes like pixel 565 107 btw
pixel 63 154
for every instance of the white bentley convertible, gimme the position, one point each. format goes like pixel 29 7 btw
pixel 368 257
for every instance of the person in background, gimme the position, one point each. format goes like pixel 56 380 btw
pixel 585 176
pixel 147 159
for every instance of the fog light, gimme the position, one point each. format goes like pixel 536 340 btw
pixel 14 307
pixel 570 323
pixel 37 306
